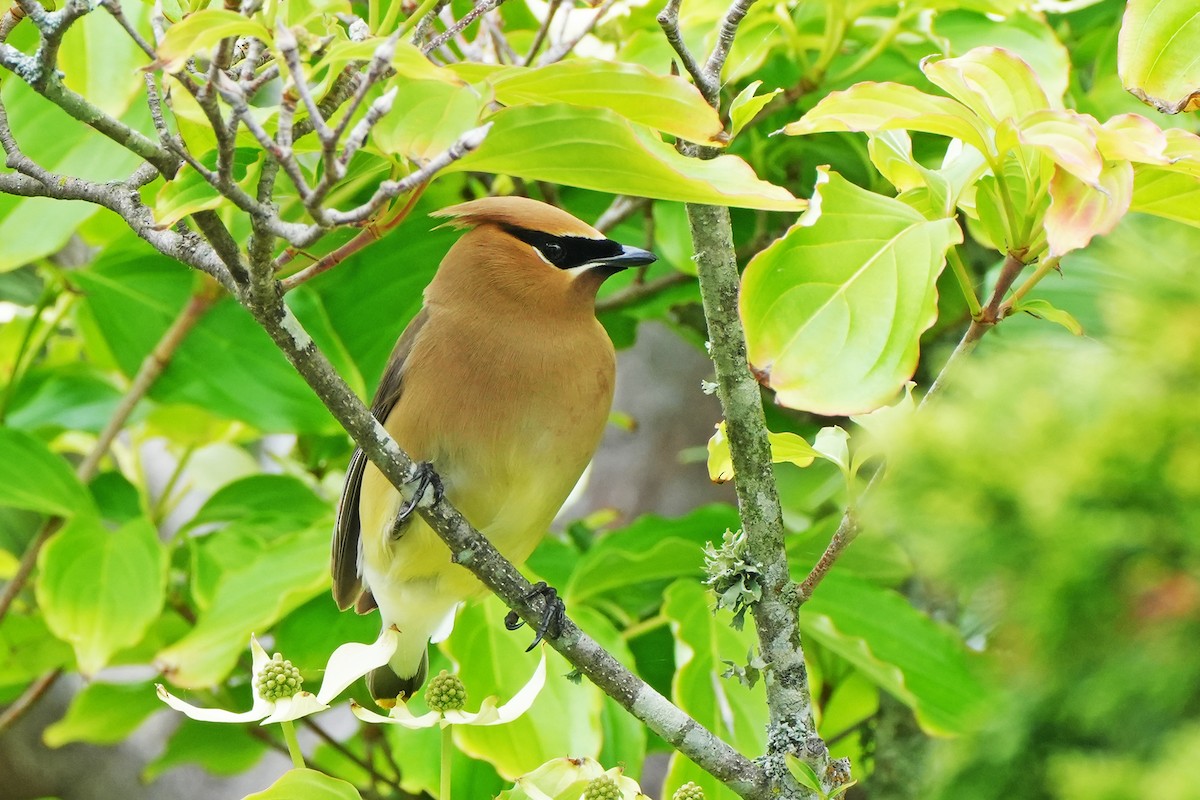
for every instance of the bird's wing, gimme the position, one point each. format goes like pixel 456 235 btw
pixel 346 564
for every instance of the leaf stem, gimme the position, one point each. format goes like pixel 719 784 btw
pixel 293 743
pixel 49 293
pixel 1044 267
pixel 447 752
pixel 964 281
pixel 413 18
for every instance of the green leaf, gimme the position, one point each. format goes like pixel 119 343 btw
pixel 33 227
pixel 204 30
pixel 247 599
pixel 1044 310
pixel 218 749
pixel 597 149
pixel 746 106
pixel 1078 211
pixel 1156 53
pixel 492 661
pixel 104 713
pixel 28 649
pixel 923 664
pixel 803 774
pixel 632 565
pixel 33 478
pixel 100 590
pixel 870 107
pixel 835 309
pixel 665 102
pixel 65 397
pixel 728 708
pixel 133 295
pixel 994 83
pixel 258 497
pixel 307 784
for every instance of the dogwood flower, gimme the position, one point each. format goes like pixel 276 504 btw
pixel 277 693
pixel 575 779
pixel 446 697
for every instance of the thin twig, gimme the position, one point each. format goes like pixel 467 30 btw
pixel 372 233
pixel 28 698
pixel 543 29
pixel 481 8
pixel 634 294
pixel 564 48
pixel 389 189
pixel 621 209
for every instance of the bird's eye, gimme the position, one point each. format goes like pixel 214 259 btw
pixel 553 251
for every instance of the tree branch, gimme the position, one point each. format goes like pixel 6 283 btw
pixel 792 728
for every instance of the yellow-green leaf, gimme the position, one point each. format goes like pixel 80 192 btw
pixel 426 118
pixel 786 447
pixel 594 148
pixel 746 106
pixel 870 107
pixel 100 589
pixel 835 309
pixel 202 31
pixel 1156 53
pixel 664 102
pixel 993 82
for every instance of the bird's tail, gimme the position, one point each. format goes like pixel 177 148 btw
pixel 387 685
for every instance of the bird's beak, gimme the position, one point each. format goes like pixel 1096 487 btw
pixel 628 257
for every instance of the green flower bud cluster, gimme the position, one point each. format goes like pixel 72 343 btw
pixel 446 693
pixel 689 791
pixel 278 679
pixel 602 788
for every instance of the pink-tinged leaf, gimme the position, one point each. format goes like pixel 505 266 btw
pixel 1078 211
pixel 835 309
pixel 1131 137
pixel 1156 53
pixel 1068 139
pixel 993 82
pixel 870 107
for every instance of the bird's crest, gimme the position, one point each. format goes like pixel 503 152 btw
pixel 517 212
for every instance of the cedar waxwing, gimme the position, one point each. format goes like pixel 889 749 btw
pixel 503 382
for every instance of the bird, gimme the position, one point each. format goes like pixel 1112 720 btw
pixel 502 383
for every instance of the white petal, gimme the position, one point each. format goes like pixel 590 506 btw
pixel 354 660
pixel 298 705
pixel 259 657
pixel 523 699
pixel 210 714
pixel 404 718
pixel 486 715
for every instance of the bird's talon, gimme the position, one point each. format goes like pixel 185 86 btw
pixel 550 624
pixel 424 480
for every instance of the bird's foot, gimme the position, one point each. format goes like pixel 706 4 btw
pixel 552 614
pixel 425 480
